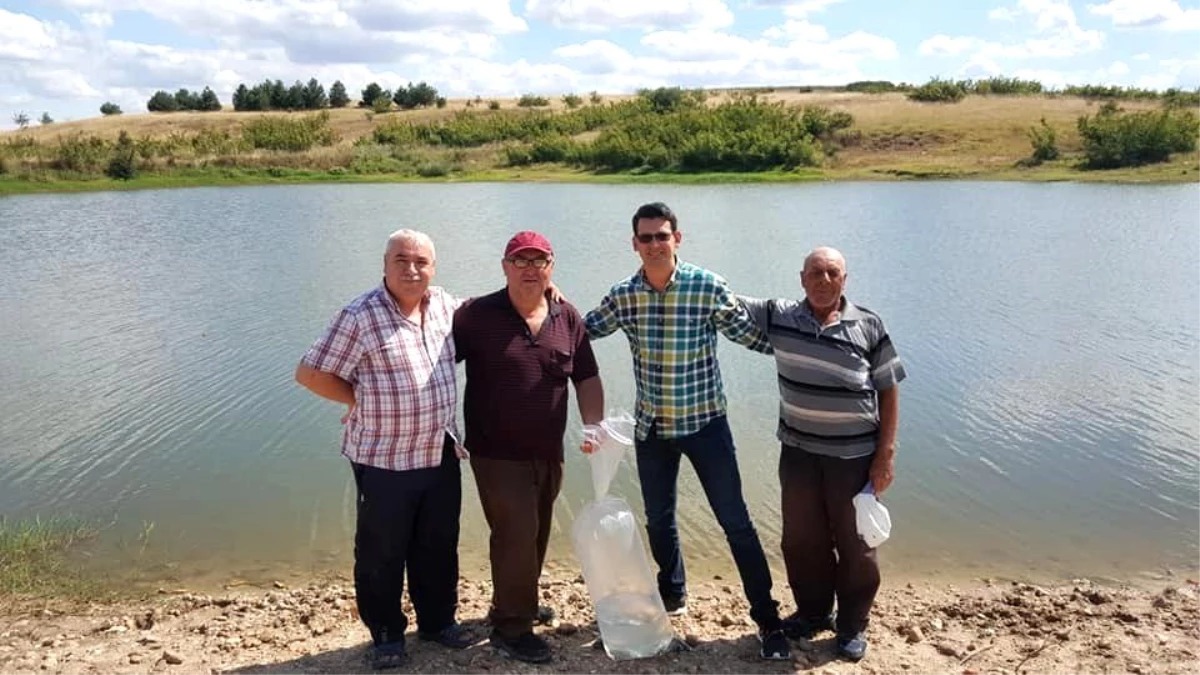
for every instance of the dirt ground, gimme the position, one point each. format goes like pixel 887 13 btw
pixel 986 627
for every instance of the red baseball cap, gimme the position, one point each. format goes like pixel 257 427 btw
pixel 527 240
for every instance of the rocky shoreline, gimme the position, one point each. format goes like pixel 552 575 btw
pixel 921 627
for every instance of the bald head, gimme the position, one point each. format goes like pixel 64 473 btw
pixel 824 279
pixel 824 253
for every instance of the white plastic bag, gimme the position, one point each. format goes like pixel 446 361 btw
pixel 871 517
pixel 633 622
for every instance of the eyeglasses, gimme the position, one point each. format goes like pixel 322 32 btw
pixel 522 263
pixel 657 236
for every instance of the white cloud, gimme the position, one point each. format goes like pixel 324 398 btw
pixel 596 57
pixel 24 38
pixel 797 30
pixel 944 45
pixel 599 15
pixel 702 45
pixel 97 20
pixel 796 9
pixel 1056 34
pixel 1162 14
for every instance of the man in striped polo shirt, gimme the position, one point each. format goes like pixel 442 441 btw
pixel 671 312
pixel 838 411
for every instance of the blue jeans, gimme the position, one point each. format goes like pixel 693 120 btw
pixel 712 454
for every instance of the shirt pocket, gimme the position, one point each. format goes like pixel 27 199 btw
pixel 558 363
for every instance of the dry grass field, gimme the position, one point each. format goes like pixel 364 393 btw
pixel 892 137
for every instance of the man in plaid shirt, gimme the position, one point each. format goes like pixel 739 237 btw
pixel 389 356
pixel 671 312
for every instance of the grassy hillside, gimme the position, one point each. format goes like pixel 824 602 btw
pixel 981 137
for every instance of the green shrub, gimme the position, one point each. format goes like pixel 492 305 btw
pixel 531 101
pixel 493 105
pixel 373 159
pixel 80 154
pixel 394 132
pixel 1042 138
pixel 1002 86
pixel 1112 138
pixel 871 86
pixel 381 104
pixel 1180 98
pixel 107 109
pixel 938 91
pixel 595 98
pixel 572 101
pixel 278 132
pixel 123 164
pixel 433 169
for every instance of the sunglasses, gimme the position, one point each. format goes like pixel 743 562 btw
pixel 657 236
pixel 522 263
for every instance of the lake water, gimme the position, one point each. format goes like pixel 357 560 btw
pixel 1050 422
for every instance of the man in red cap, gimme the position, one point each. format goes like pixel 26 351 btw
pixel 520 350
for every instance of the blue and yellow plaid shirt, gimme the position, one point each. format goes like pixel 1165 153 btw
pixel 673 338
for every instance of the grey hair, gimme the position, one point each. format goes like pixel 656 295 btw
pixel 824 252
pixel 419 238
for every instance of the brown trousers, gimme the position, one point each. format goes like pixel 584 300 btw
pixel 822 551
pixel 518 502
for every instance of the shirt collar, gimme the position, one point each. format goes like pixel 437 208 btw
pixel 552 308
pixel 641 282
pixel 391 302
pixel 847 311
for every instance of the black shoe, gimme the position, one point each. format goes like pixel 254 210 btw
pixel 774 645
pixel 545 615
pixel 526 647
pixel 852 647
pixel 675 606
pixel 797 627
pixel 387 655
pixel 454 636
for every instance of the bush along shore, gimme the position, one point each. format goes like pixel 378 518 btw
pixel 666 134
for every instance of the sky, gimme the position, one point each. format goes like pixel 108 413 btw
pixel 66 57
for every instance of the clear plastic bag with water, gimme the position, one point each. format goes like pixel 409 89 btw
pixel 871 517
pixel 633 622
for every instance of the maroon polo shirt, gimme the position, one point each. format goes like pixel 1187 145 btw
pixel 515 406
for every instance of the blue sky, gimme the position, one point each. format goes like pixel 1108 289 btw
pixel 66 57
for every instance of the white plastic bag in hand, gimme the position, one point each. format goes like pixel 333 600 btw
pixel 871 517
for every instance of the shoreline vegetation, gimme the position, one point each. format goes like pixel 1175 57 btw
pixel 50 622
pixel 997 129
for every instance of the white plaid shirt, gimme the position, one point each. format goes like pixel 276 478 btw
pixel 402 374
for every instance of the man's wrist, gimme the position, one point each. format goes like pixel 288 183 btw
pixel 885 452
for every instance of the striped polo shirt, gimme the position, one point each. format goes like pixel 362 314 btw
pixel 828 376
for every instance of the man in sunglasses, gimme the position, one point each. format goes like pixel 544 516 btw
pixel 671 312
pixel 520 351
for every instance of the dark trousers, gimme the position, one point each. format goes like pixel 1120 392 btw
pixel 407 520
pixel 823 553
pixel 712 454
pixel 518 502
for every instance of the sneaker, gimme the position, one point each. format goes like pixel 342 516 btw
pixel 852 647
pixel 797 627
pixel 387 655
pixel 546 615
pixel 675 606
pixel 525 647
pixel 774 645
pixel 454 636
